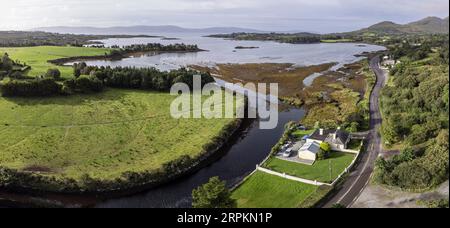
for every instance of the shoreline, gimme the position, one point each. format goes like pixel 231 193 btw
pixel 19 196
pixel 205 160
pixel 109 57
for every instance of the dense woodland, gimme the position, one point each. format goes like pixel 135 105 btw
pixel 158 47
pixel 415 108
pixel 120 52
pixel 93 79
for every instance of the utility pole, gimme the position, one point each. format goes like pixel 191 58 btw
pixel 331 172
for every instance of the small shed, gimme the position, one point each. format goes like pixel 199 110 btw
pixel 309 151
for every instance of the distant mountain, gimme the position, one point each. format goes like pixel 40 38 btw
pixel 385 27
pixel 429 25
pixel 144 30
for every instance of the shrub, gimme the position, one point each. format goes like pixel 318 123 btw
pixel 53 73
pixel 213 194
pixel 86 84
pixel 28 88
pixel 325 150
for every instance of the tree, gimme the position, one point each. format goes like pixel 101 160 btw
pixel 76 72
pixel 316 125
pixel 53 73
pixel 213 194
pixel 7 63
pixel 325 150
pixel 354 126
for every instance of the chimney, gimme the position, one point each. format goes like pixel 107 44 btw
pixel 335 133
pixel 321 131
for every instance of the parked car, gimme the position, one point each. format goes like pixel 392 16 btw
pixel 287 153
pixel 302 128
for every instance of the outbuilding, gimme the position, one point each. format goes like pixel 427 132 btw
pixel 309 151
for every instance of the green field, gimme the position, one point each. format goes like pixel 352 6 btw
pixel 37 57
pixel 302 133
pixel 320 171
pixel 103 135
pixel 262 190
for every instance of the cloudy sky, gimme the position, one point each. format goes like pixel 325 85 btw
pixel 273 15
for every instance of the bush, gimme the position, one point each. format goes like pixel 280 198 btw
pixel 410 176
pixel 53 73
pixel 413 169
pixel 29 88
pixel 213 194
pixel 86 84
pixel 325 150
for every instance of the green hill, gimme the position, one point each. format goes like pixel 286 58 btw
pixel 429 25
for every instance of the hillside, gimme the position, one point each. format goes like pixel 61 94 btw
pixel 429 25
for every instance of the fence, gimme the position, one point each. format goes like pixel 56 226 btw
pixel 285 176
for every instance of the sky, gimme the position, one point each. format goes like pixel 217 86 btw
pixel 269 15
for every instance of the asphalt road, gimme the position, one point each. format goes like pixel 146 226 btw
pixel 360 177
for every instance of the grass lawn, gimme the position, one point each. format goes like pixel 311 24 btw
pixel 320 171
pixel 301 133
pixel 37 57
pixel 103 135
pixel 262 190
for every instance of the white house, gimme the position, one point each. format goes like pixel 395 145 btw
pixel 388 62
pixel 309 151
pixel 338 139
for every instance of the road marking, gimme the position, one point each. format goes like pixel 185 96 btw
pixel 362 190
pixel 356 181
pixel 380 76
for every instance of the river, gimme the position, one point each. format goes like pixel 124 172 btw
pixel 241 157
pixel 243 153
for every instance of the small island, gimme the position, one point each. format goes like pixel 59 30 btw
pixel 243 47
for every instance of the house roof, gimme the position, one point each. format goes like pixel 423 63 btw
pixel 341 137
pixel 327 136
pixel 311 147
pixel 317 136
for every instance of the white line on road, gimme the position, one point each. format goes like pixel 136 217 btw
pixel 356 181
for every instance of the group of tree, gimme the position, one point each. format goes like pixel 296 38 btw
pixel 141 78
pixel 416 114
pixel 213 194
pixel 121 52
pixel 418 168
pixel 6 64
pixel 298 38
pixel 48 86
pixel 10 68
pixel 157 47
pixel 416 48
pixel 88 79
